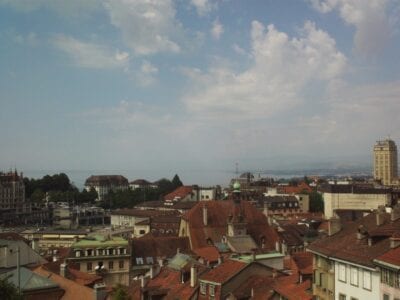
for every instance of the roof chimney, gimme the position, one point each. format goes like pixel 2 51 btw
pixel 334 225
pixel 63 270
pixel 395 213
pixel 205 215
pixel 380 215
pixel 100 292
pixel 394 241
pixel 143 281
pixel 193 276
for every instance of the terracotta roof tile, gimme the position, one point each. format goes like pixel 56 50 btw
pixel 290 289
pixel 218 213
pixel 345 244
pixel 179 193
pixel 210 253
pixel 392 257
pixel 224 271
pixel 72 289
pixel 304 262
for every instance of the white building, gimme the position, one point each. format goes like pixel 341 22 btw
pixel 103 184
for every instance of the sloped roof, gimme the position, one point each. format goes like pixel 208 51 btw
pixel 218 213
pixel 179 193
pixel 159 246
pixel 29 280
pixel 168 283
pixel 258 286
pixel 12 236
pixel 224 271
pixel 345 245
pixel 72 289
pixel 304 262
pixel 209 253
pixel 290 289
pixel 241 244
pixel 299 189
pixel 391 257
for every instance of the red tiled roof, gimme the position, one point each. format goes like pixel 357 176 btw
pixel 210 253
pixel 218 213
pixel 304 262
pixel 345 245
pixel 300 188
pixel 224 271
pixel 260 286
pixel 168 282
pixel 290 289
pixel 391 257
pixel 72 289
pixel 164 247
pixel 179 193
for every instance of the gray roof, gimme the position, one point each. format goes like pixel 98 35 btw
pixel 241 244
pixel 29 280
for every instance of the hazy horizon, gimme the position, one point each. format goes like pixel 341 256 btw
pixel 197 86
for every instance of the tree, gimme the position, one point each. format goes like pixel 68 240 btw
pixel 316 202
pixel 176 181
pixel 8 291
pixel 120 293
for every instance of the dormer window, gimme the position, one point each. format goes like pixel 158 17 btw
pixel 203 288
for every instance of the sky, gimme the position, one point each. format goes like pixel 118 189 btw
pixel 164 86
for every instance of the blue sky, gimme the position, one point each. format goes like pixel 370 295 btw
pixel 196 84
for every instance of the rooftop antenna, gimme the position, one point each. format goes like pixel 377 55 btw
pixel 237 170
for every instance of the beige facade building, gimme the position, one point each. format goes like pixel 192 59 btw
pixel 385 162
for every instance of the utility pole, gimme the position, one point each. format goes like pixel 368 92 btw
pixel 18 270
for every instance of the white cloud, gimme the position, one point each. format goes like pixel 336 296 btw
pixel 370 19
pixel 147 73
pixel 238 49
pixel 91 55
pixel 282 68
pixel 217 29
pixel 147 26
pixel 203 7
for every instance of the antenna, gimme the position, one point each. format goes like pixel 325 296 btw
pixel 237 169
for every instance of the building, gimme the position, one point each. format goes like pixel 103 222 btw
pixel 237 226
pixel 354 197
pixel 385 162
pixel 12 191
pixel 43 240
pixel 142 184
pixel 108 257
pixel 14 251
pixel 103 184
pixel 344 266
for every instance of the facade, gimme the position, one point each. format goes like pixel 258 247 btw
pixel 344 266
pixel 103 184
pixel 108 257
pixel 353 197
pixel 12 191
pixel 385 161
pixel 141 184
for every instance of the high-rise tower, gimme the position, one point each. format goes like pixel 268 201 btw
pixel 385 161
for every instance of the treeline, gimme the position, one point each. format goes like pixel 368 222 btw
pixel 59 188
pixel 130 198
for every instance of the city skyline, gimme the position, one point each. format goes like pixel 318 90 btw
pixel 168 86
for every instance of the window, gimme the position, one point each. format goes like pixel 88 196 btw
pixel 203 288
pixel 212 290
pixel 386 297
pixel 342 272
pixel 367 280
pixel 354 276
pixel 142 231
pixel 89 266
pixel 149 260
pixel 342 297
pixel 121 264
pixel 352 298
pixel 110 265
pixel 139 260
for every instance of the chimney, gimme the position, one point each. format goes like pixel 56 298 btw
pixel 63 270
pixel 334 225
pixel 161 262
pixel 143 281
pixel 361 232
pixel 205 216
pixel 380 215
pixel 395 214
pixel 220 259
pixel 394 241
pixel 274 273
pixel 178 250
pixel 35 244
pixel 193 276
pixel 253 256
pixel 152 272
pixel 100 292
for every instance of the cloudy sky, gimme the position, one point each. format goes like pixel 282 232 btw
pixel 163 86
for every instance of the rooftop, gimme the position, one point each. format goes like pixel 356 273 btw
pixel 100 241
